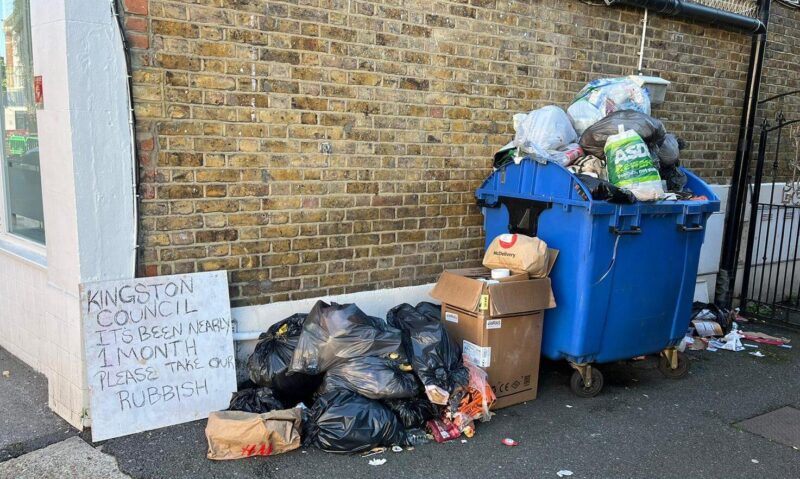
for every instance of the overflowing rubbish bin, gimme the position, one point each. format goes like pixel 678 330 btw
pixel 626 273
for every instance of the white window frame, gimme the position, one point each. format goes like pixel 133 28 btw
pixel 10 243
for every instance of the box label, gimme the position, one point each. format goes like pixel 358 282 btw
pixel 477 355
pixel 494 324
pixel 452 317
pixel 484 302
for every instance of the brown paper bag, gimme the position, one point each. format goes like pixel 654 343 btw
pixel 237 434
pixel 518 253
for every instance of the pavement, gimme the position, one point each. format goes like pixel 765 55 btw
pixel 67 459
pixel 641 425
pixel 26 423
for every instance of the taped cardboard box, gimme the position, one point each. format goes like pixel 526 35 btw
pixel 499 326
pixel 238 434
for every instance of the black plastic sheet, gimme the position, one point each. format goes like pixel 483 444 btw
pixel 258 400
pixel 414 412
pixel 269 364
pixel 374 377
pixel 593 140
pixel 344 422
pixel 602 190
pixel 435 357
pixel 334 333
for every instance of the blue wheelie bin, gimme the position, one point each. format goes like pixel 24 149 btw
pixel 625 276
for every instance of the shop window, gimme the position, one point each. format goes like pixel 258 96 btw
pixel 21 185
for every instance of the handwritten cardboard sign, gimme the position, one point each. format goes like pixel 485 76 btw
pixel 159 351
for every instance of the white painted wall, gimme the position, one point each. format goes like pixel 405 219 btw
pixel 87 178
pixel 712 246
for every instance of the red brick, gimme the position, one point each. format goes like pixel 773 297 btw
pixel 138 7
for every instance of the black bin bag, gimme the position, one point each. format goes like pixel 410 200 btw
pixel 414 412
pixel 334 333
pixel 436 359
pixel 258 400
pixel 603 190
pixel 269 364
pixel 375 377
pixel 593 140
pixel 344 422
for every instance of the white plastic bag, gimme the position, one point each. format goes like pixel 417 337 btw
pixel 607 95
pixel 547 128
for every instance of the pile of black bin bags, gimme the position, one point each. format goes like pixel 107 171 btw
pixel 362 379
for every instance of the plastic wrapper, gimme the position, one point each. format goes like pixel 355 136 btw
pixel 538 131
pixel 258 400
pixel 711 312
pixel 443 430
pixel 566 155
pixel 601 97
pixel 435 357
pixel 479 397
pixel 630 166
pixel 269 364
pixel 344 422
pixel 602 190
pixel 334 333
pixel 590 165
pixel 413 412
pixel 505 156
pixel 375 377
pixel 593 140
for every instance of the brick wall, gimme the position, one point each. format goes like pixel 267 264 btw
pixel 329 146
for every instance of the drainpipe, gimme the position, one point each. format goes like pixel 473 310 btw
pixel 700 13
pixel 737 196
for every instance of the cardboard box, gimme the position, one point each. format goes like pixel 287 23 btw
pixel 499 326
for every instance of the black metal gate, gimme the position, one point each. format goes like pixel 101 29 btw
pixel 770 285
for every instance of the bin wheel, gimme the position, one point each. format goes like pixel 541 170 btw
pixel 577 386
pixel 680 372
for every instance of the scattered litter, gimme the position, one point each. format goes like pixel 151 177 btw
pixel 463 441
pixel 377 462
pixel 563 473
pixel 397 449
pixel 765 338
pixel 443 430
pixel 686 341
pixel 707 328
pixel 645 395
pixel 758 354
pixel 731 342
pixel 509 442
pixel 786 346
pixel 569 406
pixel 6 374
pixel 754 461
pixel 748 345
pixel 711 349
pixel 410 448
pixel 374 451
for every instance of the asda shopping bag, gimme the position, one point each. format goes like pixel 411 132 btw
pixel 630 166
